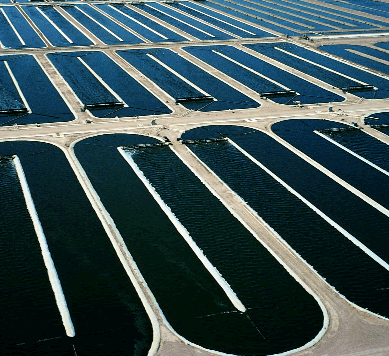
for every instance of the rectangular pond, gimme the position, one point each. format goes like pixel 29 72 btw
pixel 189 25
pixel 220 57
pixel 363 22
pixel 145 20
pixel 264 16
pixel 187 83
pixel 150 33
pixel 20 31
pixel 108 31
pixel 56 28
pixel 246 64
pixel 105 88
pixel 286 53
pixel 356 54
pixel 309 13
pixel 227 9
pixel 23 70
pixel 236 28
pixel 10 97
pixel 222 19
pixel 321 59
pixel 284 13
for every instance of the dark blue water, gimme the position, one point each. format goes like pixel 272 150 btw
pixel 26 71
pixel 373 7
pixel 308 92
pixel 48 30
pixel 316 187
pixel 225 18
pixel 342 51
pixel 273 50
pixel 219 20
pixel 384 130
pixel 246 77
pixel 176 23
pixel 350 212
pixel 8 37
pixel 286 14
pixel 80 78
pixel 30 37
pixel 362 144
pixel 359 174
pixel 364 76
pixel 170 83
pixel 96 28
pixel 352 272
pixel 364 22
pixel 171 35
pixel 77 38
pixel 263 15
pixel 321 11
pixel 9 96
pixel 180 283
pixel 282 307
pixel 237 12
pixel 212 33
pixel 227 97
pixel 298 15
pixel 173 21
pixel 120 31
pixel 380 122
pixel 139 101
pixel 384 45
pixel 320 16
pixel 28 309
pixel 107 314
pixel 323 14
pixel 380 118
pixel 137 26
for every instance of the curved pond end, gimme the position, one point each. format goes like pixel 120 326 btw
pixel 107 314
pixel 281 315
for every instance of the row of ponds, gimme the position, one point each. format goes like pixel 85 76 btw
pixel 161 210
pixel 107 89
pixel 63 25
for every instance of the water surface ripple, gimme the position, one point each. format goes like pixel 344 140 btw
pixel 26 294
pixel 108 316
pixel 346 267
pixel 278 304
pixel 193 303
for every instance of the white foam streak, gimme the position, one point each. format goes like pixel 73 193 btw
pixel 345 233
pixel 51 271
pixel 352 152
